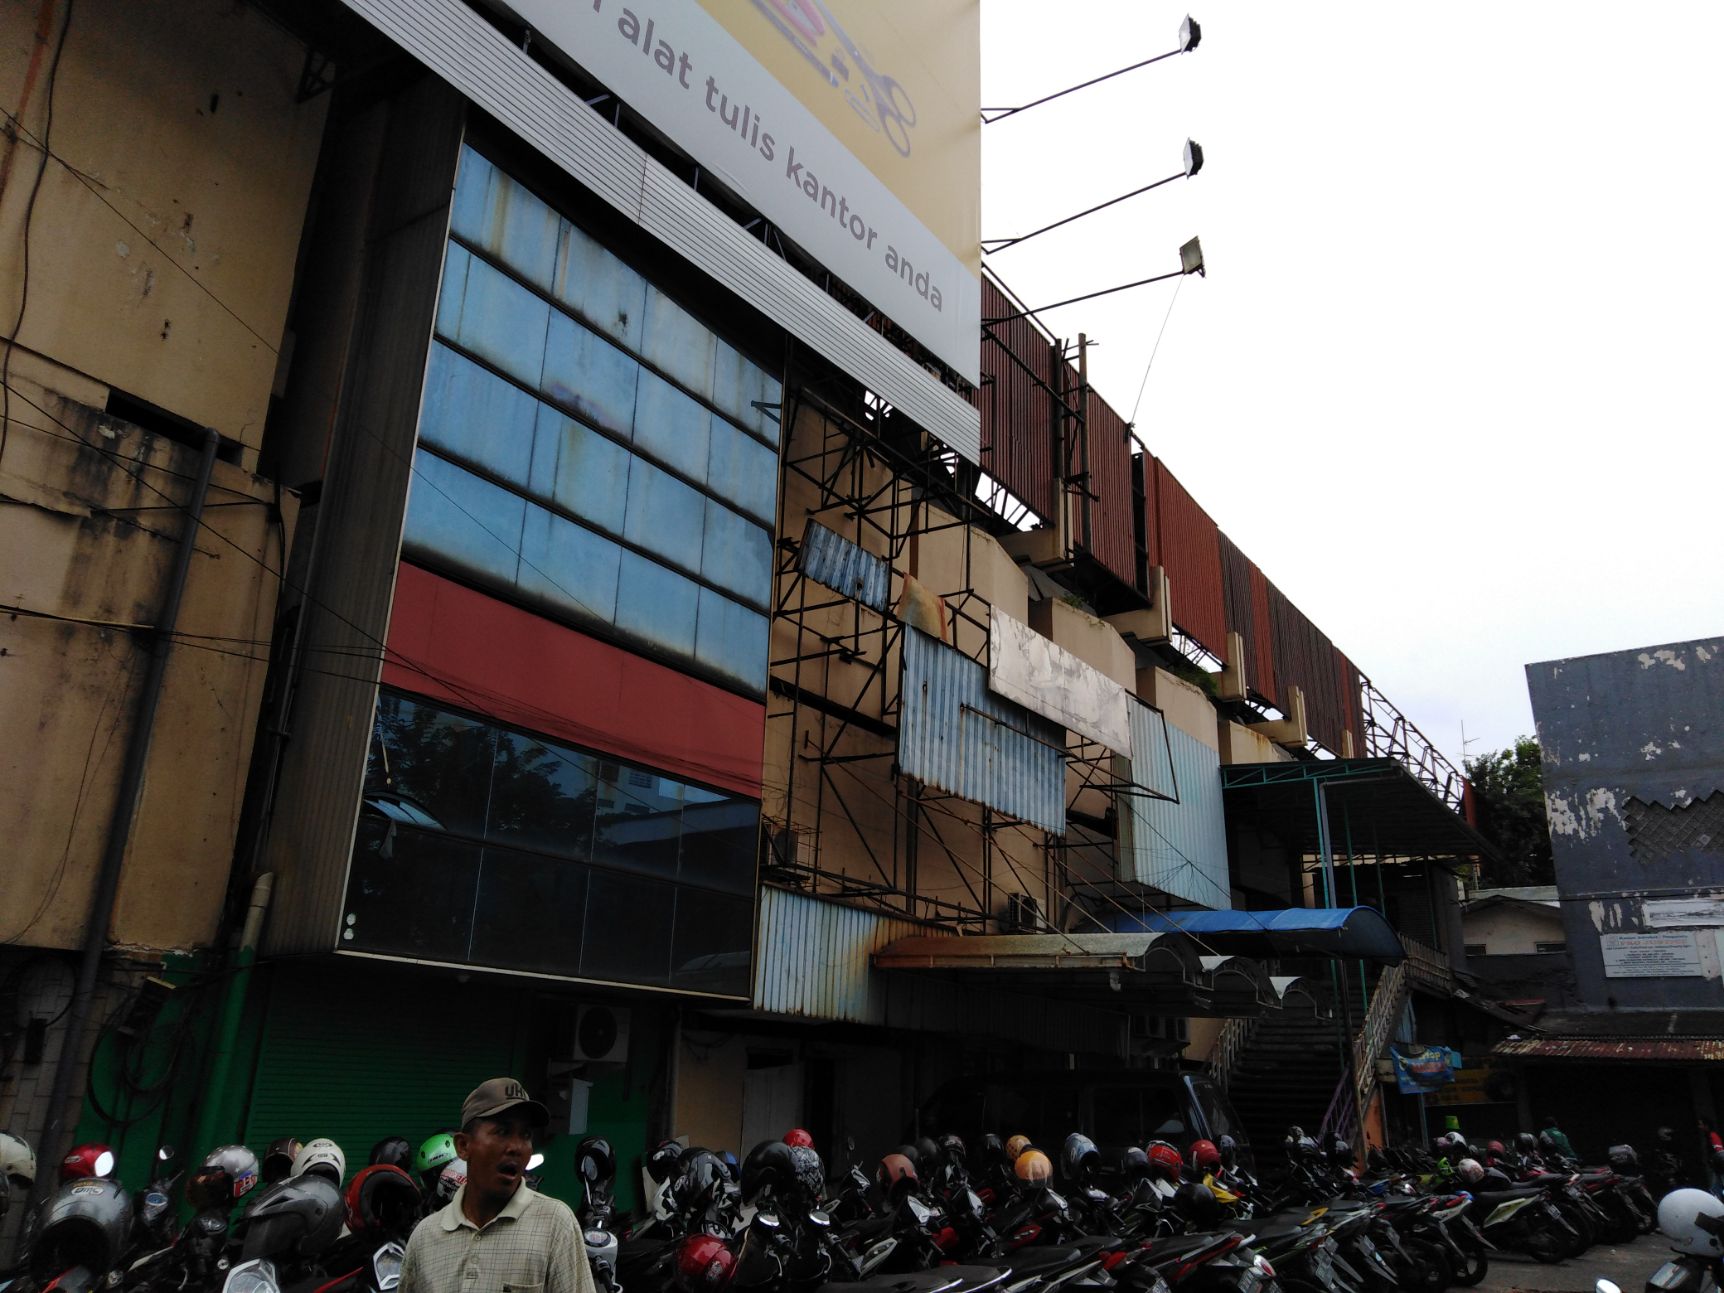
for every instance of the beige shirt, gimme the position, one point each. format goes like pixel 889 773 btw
pixel 532 1246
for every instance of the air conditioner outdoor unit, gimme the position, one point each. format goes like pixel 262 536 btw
pixel 1024 914
pixel 601 1035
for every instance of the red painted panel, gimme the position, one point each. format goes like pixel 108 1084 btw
pixel 1263 676
pixel 450 642
pixel 1017 406
pixel 1112 536
pixel 1190 548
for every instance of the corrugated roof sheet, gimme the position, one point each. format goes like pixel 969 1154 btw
pixel 955 734
pixel 829 558
pixel 1705 1050
pixel 1179 848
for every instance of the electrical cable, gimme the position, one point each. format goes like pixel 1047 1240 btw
pixel 1132 420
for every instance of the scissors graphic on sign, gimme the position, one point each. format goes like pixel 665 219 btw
pixel 879 100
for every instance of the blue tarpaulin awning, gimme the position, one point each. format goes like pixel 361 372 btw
pixel 1290 931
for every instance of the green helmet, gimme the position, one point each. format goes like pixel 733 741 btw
pixel 435 1154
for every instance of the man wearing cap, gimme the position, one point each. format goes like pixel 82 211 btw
pixel 497 1235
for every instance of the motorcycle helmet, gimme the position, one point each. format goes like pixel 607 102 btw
pixel 1451 1143
pixel 382 1198
pixel 1525 1142
pixel 1470 1170
pixel 1340 1152
pixel 300 1216
pixel 1295 1133
pixel 664 1162
pixel 770 1165
pixel 278 1159
pixel 1164 1160
pixel 238 1164
pixel 1622 1158
pixel 1197 1203
pixel 1547 1142
pixel 323 1157
pixel 597 1168
pixel 703 1263
pixel 1228 1148
pixel 810 1173
pixel 1016 1145
pixel 396 1151
pixel 435 1153
pixel 1205 1157
pixel 1693 1221
pixel 1496 1149
pixel 1665 1135
pixel 17 1160
pixel 732 1168
pixel 1134 1164
pixel 953 1150
pixel 796 1136
pixel 86 1161
pixel 896 1177
pixel 1033 1166
pixel 1079 1158
pixel 928 1159
pixel 704 1177
pixel 450 1180
pixel 991 1150
pixel 88 1222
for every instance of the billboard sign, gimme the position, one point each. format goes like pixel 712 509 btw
pixel 852 125
pixel 1651 956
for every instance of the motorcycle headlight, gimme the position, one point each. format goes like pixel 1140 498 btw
pixel 386 1266
pixel 155 1204
pixel 255 1276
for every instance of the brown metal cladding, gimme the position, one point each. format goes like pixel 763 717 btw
pixel 1190 551
pixel 1352 716
pixel 1263 678
pixel 1112 539
pixel 1017 412
pixel 1236 598
pixel 1305 658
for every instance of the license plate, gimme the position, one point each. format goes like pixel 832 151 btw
pixel 1324 1264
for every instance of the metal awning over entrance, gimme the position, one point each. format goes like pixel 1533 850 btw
pixel 1289 931
pixel 1348 807
pixel 1163 972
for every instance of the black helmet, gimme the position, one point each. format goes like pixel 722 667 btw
pixel 1134 1164
pixel 298 1217
pixel 396 1151
pixel 1228 1148
pixel 952 1146
pixel 1340 1152
pixel 1197 1203
pixel 278 1159
pixel 597 1168
pixel 928 1156
pixel 770 1165
pixel 1525 1142
pixel 1622 1158
pixel 1547 1141
pixel 1078 1158
pixel 704 1175
pixel 664 1161
pixel 88 1222
pixel 991 1150
pixel 810 1173
pixel 914 1154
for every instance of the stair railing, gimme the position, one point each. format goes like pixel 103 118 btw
pixel 1342 1116
pixel 1230 1044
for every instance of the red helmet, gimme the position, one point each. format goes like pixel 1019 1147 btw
pixel 1205 1157
pixel 382 1198
pixel 797 1137
pixel 896 1175
pixel 1164 1160
pixel 88 1161
pixel 1495 1149
pixel 703 1263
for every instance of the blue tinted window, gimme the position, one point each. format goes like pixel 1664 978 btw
pixel 739 386
pixel 732 640
pixel 495 317
pixel 600 288
pixel 584 372
pixel 743 471
pixel 568 566
pixel 495 212
pixel 476 416
pixel 736 554
pixel 664 515
pixel 657 605
pixel 463 520
pixel 580 470
pixel 671 426
pixel 677 343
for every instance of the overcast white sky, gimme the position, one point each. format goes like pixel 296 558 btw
pixel 1454 378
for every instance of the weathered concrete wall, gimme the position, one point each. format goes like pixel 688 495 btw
pixel 1512 930
pixel 164 235
pixel 90 535
pixel 1633 748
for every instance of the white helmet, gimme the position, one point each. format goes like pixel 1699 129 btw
pixel 1693 1221
pixel 450 1179
pixel 323 1156
pixel 17 1159
pixel 1470 1170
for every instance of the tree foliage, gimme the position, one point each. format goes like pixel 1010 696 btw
pixel 1508 788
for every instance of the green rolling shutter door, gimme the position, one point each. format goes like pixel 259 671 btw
pixel 359 1052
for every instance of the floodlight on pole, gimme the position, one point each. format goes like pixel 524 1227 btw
pixel 1193 161
pixel 1190 262
pixel 1189 35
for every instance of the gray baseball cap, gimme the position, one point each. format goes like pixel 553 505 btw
pixel 498 1096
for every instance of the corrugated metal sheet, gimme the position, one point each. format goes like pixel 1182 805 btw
pixel 479 61
pixel 1189 545
pixel 1111 537
pixel 1352 707
pixel 829 558
pixel 1305 658
pixel 1263 676
pixel 359 521
pixel 1179 848
pixel 1705 1050
pixel 1017 413
pixel 955 734
pixel 1236 571
pixel 814 963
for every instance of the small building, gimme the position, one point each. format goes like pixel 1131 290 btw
pixel 1513 941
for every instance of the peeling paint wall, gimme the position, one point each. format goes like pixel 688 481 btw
pixel 1633 748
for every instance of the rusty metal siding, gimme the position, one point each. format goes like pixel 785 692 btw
pixel 1112 537
pixel 1691 1050
pixel 1264 678
pixel 1352 707
pixel 1190 550
pixel 1236 591
pixel 814 963
pixel 1179 848
pixel 1305 658
pixel 829 558
pixel 1017 413
pixel 955 734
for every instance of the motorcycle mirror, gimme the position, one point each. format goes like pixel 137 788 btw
pixel 166 1154
pixel 535 1162
pixel 1605 1286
